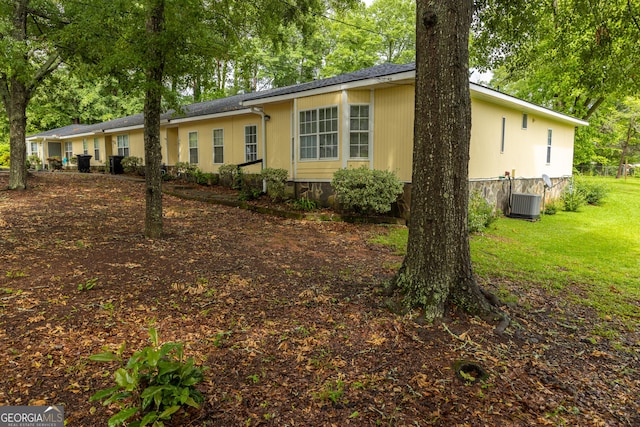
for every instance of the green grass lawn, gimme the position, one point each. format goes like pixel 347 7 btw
pixel 591 257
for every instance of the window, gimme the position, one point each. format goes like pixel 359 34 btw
pixel 359 132
pixel 193 148
pixel 33 148
pixel 251 143
pixel 549 138
pixel 85 146
pixel 504 125
pixel 218 146
pixel 525 120
pixel 123 145
pixel 96 149
pixel 319 134
pixel 68 150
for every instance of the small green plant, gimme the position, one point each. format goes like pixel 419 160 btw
pixel 572 199
pixel 249 193
pixel 364 190
pixel 131 164
pixel 88 285
pixel 481 213
pixel 15 274
pixel 154 384
pixel 276 182
pixel 551 208
pixel 303 204
pixel 34 161
pixel 332 391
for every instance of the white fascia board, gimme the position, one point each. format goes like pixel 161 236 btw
pixel 333 88
pixel 212 116
pixel 482 92
pixel 123 129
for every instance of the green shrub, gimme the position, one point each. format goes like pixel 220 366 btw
pixel 230 176
pixel 131 164
pixel 480 213
pixel 593 192
pixel 364 190
pixel 204 178
pixel 186 171
pixel 572 199
pixel 551 208
pixel 154 384
pixel 276 182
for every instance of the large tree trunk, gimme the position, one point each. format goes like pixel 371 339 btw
pixel 15 96
pixel 152 111
pixel 17 111
pixel 437 271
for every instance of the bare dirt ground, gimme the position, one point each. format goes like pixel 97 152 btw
pixel 286 314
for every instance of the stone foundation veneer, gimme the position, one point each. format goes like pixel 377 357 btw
pixel 495 191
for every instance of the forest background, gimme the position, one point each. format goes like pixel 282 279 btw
pixel 578 58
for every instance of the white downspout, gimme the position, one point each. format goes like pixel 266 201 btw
pixel 259 111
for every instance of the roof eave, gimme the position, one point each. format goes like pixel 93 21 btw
pixel 525 106
pixel 373 81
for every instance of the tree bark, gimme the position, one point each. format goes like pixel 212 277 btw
pixel 16 88
pixel 437 270
pixel 625 146
pixel 15 96
pixel 152 110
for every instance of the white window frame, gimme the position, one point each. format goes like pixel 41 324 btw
pixel 193 147
pixel 316 129
pixel 525 121
pixel 122 143
pixel 96 149
pixel 355 130
pixel 503 131
pixel 217 136
pixel 250 143
pixel 85 146
pixel 33 148
pixel 549 143
pixel 68 150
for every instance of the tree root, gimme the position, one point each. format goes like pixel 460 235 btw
pixel 494 301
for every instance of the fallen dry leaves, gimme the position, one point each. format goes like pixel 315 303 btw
pixel 287 316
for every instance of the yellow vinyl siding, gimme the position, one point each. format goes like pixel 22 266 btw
pixel 279 136
pixel 524 149
pixel 234 151
pixel 393 130
pixel 359 96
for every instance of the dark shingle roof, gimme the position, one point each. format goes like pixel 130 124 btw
pixel 232 103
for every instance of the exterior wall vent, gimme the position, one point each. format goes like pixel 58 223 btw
pixel 525 206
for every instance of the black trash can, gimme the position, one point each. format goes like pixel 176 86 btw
pixel 115 165
pixel 84 163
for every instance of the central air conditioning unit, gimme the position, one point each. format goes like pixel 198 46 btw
pixel 525 206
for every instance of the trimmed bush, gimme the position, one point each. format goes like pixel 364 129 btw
pixel 131 164
pixel 228 176
pixel 276 182
pixel 480 214
pixel 364 190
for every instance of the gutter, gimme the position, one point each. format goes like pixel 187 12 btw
pixel 263 143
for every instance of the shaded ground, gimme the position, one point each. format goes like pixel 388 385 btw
pixel 287 315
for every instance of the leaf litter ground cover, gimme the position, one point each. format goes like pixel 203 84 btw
pixel 287 315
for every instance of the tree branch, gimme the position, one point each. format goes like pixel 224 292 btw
pixel 47 68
